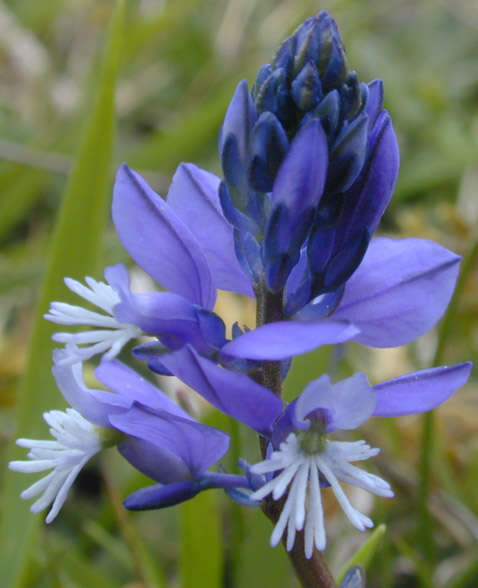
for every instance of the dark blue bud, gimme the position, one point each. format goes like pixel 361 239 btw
pixel 307 44
pixel 297 292
pixel 330 210
pixel 346 261
pixel 348 155
pixel 269 144
pixel 267 97
pixel 278 232
pixel 256 211
pixel 375 101
pixel 277 271
pixel 232 166
pixel 319 248
pixel 328 111
pixel 248 252
pixel 262 76
pixel 284 58
pixel 336 70
pixel 282 242
pixel 212 327
pixel 353 96
pixel 306 88
pixel 232 214
pixel 239 120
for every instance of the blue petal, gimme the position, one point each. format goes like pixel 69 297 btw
pixel 233 393
pixel 94 405
pixel 399 291
pixel 158 463
pixel 130 385
pixel 349 403
pixel 420 391
pixel 197 446
pixel 194 197
pixel 280 340
pixel 159 241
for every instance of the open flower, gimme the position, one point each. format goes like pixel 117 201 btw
pixel 302 458
pixel 153 433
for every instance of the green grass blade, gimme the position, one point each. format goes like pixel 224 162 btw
pixel 364 554
pixel 75 251
pixel 201 542
pixel 429 444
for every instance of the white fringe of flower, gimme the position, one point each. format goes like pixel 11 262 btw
pixel 77 440
pixel 300 473
pixel 110 339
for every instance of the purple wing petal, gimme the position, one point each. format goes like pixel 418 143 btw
pixel 129 384
pixel 420 391
pixel 285 339
pixel 193 196
pixel 158 463
pixel 301 177
pixel 197 445
pixel 233 393
pixel 159 241
pixel 400 290
pixel 94 405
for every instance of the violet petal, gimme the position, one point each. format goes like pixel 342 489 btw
pixel 159 241
pixel 420 391
pixel 284 339
pixel 233 393
pixel 399 291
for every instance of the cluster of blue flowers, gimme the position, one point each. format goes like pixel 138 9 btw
pixel 310 159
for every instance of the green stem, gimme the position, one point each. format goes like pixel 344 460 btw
pixel 313 572
pixel 429 443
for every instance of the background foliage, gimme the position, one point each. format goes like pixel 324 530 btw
pixel 178 63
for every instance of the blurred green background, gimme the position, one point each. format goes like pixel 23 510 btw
pixel 176 71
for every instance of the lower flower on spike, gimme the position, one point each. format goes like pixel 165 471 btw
pixel 304 468
pixel 150 431
pixel 301 459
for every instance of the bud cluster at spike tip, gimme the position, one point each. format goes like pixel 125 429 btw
pixel 302 155
pixel 310 160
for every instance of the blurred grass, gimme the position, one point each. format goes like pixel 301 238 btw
pixel 180 63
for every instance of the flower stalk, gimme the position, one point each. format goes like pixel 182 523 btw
pixel 313 571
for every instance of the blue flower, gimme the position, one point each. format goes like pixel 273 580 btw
pixel 302 459
pixel 153 433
